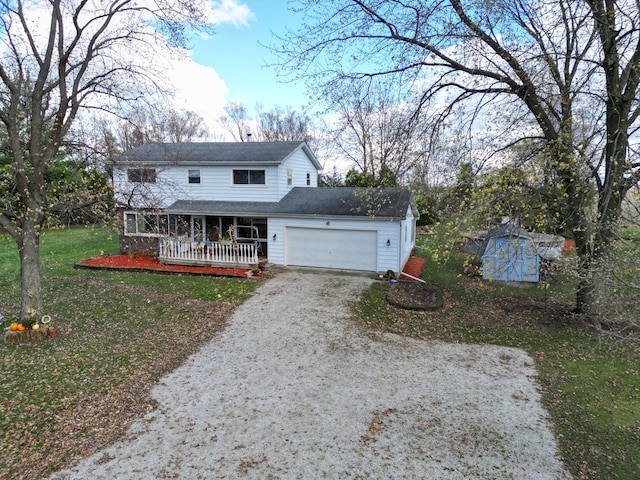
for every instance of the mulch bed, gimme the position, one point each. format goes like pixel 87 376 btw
pixel 415 296
pixel 414 268
pixel 151 263
pixel 410 294
pixel 569 246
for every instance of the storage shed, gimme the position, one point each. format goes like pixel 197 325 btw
pixel 511 257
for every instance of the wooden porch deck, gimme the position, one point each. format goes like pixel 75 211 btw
pixel 214 254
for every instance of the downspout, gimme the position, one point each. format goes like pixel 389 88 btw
pixel 400 248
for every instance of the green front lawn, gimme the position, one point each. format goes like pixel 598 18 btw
pixel 119 332
pixel 590 382
pixel 64 398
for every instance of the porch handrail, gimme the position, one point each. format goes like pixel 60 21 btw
pixel 187 251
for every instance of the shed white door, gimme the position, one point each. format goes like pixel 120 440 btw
pixel 327 248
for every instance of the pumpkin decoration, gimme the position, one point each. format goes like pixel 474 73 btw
pixel 21 328
pixel 13 327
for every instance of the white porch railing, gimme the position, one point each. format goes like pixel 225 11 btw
pixel 216 254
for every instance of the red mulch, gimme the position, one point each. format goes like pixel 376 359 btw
pixel 569 246
pixel 413 267
pixel 151 263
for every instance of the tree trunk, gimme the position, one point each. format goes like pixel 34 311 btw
pixel 31 292
pixel 593 279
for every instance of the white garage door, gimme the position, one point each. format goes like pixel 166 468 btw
pixel 326 248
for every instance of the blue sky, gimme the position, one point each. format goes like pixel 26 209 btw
pixel 230 65
pixel 236 54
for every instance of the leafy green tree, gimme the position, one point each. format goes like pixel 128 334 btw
pixel 60 58
pixel 565 73
pixel 78 194
pixel 385 178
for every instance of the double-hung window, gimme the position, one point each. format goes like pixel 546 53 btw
pixel 193 176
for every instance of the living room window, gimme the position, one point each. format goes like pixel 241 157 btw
pixel 249 177
pixel 147 224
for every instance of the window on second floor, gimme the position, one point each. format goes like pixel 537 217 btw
pixel 289 178
pixel 308 179
pixel 141 175
pixel 194 176
pixel 249 177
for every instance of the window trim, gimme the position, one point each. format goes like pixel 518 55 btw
pixel 142 171
pixel 189 176
pixel 137 215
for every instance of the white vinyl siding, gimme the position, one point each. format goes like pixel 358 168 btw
pixel 299 165
pixel 408 234
pixel 216 182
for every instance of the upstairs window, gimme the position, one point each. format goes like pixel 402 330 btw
pixel 194 176
pixel 249 177
pixel 141 175
pixel 308 179
pixel 289 178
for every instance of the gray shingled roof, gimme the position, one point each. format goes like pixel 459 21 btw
pixel 344 201
pixel 207 153
pixel 208 207
pixel 301 201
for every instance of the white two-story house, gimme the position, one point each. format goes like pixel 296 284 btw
pixel 234 203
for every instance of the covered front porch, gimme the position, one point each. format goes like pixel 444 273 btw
pixel 197 240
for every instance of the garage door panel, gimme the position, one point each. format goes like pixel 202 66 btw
pixel 331 248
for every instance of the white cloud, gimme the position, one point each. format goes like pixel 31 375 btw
pixel 230 11
pixel 199 89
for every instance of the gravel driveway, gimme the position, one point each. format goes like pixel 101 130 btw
pixel 293 389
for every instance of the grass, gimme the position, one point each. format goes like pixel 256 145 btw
pixel 65 398
pixel 119 333
pixel 590 383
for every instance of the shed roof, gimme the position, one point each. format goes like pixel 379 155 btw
pixel 304 201
pixel 213 153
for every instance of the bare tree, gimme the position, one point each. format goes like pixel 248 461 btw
pixel 276 125
pixel 59 58
pixel 237 121
pixel 150 125
pixel 377 129
pixel 549 63
pixel 283 125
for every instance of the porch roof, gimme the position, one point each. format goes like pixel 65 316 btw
pixel 301 201
pixel 208 207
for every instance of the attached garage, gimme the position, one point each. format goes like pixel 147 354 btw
pixel 371 230
pixel 331 248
